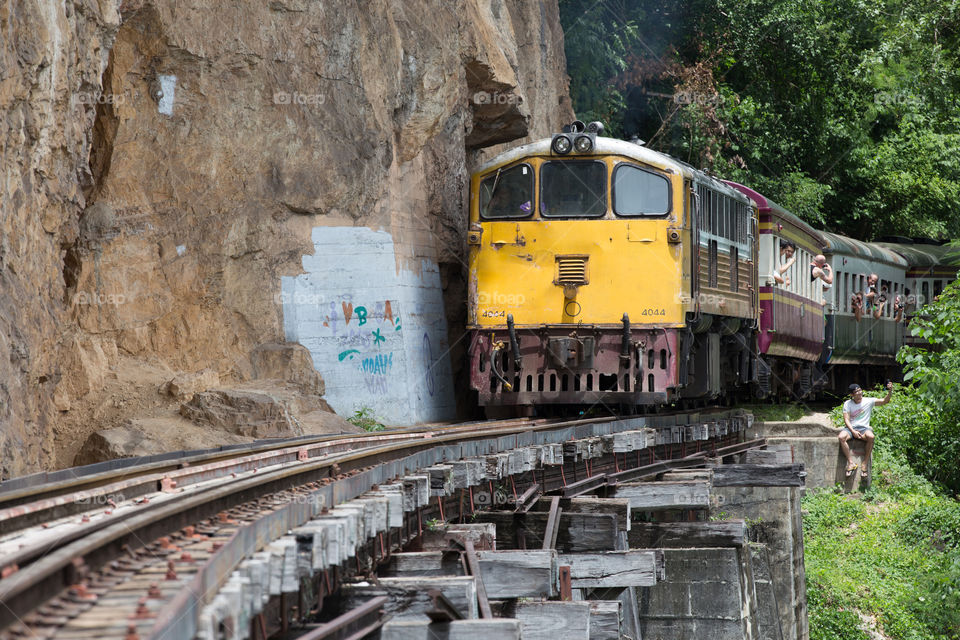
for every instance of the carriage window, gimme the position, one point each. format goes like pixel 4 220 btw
pixel 508 193
pixel 937 287
pixel 637 192
pixel 924 292
pixel 574 189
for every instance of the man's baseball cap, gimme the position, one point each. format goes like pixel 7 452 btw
pixel 853 388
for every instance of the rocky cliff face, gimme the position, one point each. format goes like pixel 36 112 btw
pixel 165 164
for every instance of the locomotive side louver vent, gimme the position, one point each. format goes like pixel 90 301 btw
pixel 571 270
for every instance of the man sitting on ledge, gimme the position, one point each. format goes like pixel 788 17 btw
pixel 856 415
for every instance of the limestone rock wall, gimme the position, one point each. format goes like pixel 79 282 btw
pixel 165 165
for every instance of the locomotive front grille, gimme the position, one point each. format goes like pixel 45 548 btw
pixel 571 270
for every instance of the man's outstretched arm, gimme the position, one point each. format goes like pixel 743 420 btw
pixel 886 399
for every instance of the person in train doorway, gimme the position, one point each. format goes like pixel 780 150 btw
pixel 788 256
pixel 856 416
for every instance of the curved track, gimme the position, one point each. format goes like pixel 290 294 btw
pixel 86 537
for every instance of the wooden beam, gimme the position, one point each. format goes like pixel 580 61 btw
pixel 618 506
pixel 475 571
pixel 483 536
pixel 497 629
pixel 651 535
pixel 518 574
pixel 408 596
pixel 553 524
pixel 578 531
pixel 759 475
pixel 424 563
pixel 634 568
pixel 658 496
pixel 554 620
pixel 606 619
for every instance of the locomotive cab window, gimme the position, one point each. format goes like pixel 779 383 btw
pixel 573 189
pixel 508 193
pixel 637 192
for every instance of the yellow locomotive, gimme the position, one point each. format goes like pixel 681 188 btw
pixel 603 272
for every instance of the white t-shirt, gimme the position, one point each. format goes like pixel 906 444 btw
pixel 859 413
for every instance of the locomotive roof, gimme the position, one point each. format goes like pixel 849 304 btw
pixel 841 245
pixel 925 255
pixel 611 146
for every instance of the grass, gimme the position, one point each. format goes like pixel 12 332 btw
pixel 786 412
pixel 892 553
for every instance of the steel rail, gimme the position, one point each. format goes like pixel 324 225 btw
pixel 151 480
pixel 24 589
pixel 21 491
pixel 31 585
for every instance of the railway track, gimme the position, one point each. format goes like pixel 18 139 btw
pixel 149 550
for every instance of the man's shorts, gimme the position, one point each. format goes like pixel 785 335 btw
pixel 860 430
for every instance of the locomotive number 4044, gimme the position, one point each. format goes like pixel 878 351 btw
pixel 493 313
pixel 654 312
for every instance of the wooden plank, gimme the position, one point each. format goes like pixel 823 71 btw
pixel 633 568
pixel 553 524
pixel 759 475
pixel 408 597
pixel 425 563
pixel 606 619
pixel 518 574
pixel 495 629
pixel 474 565
pixel 688 474
pixel 578 531
pixel 482 535
pixel 652 535
pixel 553 620
pixel 618 506
pixel 656 496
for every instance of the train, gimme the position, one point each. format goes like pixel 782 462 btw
pixel 605 274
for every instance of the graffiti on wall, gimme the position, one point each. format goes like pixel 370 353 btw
pixel 377 334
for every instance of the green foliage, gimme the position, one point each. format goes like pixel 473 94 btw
pixel 935 370
pixel 882 557
pixel 927 428
pixel 366 420
pixel 920 441
pixel 844 111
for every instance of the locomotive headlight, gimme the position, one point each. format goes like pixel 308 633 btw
pixel 561 144
pixel 583 144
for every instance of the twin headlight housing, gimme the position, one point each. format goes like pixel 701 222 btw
pixel 576 137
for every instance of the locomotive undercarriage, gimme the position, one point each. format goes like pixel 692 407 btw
pixel 585 366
